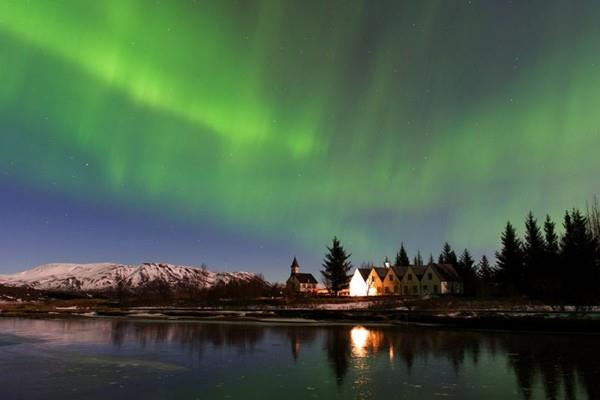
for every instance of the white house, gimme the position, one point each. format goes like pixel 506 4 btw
pixel 358 283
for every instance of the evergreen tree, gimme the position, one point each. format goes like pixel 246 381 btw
pixel 550 237
pixel 551 282
pixel 485 273
pixel 593 218
pixel 418 261
pixel 337 267
pixel 578 253
pixel 448 256
pixel 430 262
pixel 402 259
pixel 466 270
pixel 510 261
pixel 533 257
pixel 466 262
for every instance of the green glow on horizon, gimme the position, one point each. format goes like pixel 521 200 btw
pixel 263 116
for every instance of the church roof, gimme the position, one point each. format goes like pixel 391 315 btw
pixel 304 278
pixel 295 263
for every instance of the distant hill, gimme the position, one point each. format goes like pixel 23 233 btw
pixel 106 276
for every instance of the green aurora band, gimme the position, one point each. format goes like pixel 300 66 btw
pixel 415 121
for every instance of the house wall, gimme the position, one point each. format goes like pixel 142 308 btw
pixel 411 286
pixel 452 287
pixel 308 287
pixel 374 284
pixel 358 286
pixel 457 287
pixel 391 283
pixel 430 282
pixel 292 285
pixel 446 288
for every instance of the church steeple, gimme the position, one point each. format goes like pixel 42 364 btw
pixel 295 267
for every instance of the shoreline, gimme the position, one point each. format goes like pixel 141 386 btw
pixel 512 321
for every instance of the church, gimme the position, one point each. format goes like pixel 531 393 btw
pixel 301 283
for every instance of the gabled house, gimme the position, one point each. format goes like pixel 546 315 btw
pixel 441 279
pixel 411 280
pixel 375 281
pixel 302 283
pixel 392 283
pixel 358 283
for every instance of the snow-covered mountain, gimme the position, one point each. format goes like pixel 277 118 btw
pixel 106 276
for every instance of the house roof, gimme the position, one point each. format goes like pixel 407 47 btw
pixel 381 272
pixel 364 272
pixel 304 278
pixel 446 272
pixel 399 271
pixel 418 270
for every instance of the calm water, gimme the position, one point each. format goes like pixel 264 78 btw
pixel 104 358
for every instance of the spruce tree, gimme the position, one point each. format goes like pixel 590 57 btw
pixel 466 262
pixel 534 255
pixel 448 256
pixel 510 261
pixel 550 237
pixel 466 270
pixel 578 254
pixel 430 262
pixel 551 278
pixel 402 259
pixel 337 267
pixel 485 271
pixel 485 274
pixel 593 218
pixel 418 261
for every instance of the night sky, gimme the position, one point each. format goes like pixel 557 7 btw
pixel 242 133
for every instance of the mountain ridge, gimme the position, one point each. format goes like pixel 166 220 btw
pixel 108 276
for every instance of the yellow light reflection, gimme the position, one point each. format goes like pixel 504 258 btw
pixel 359 336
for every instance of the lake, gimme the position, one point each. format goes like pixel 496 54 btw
pixel 124 359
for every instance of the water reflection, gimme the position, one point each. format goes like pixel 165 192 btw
pixel 537 365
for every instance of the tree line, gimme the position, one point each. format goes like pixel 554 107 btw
pixel 543 264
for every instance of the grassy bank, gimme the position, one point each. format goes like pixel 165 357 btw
pixel 515 314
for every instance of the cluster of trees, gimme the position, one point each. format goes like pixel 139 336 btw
pixel 160 292
pixel 542 265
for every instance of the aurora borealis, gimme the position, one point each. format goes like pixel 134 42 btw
pixel 241 133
